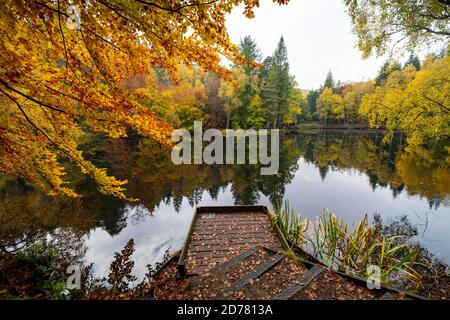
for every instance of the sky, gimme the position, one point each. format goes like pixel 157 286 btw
pixel 318 36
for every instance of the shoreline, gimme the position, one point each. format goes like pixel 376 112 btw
pixel 340 127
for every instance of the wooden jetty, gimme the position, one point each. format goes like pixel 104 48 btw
pixel 219 233
pixel 237 252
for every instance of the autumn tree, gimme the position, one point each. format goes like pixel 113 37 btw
pixel 59 81
pixel 180 103
pixel 414 102
pixel 256 119
pixel 294 109
pixel 330 106
pixel 382 26
pixel 313 95
pixel 352 96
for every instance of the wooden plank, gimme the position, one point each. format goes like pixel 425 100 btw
pixel 260 269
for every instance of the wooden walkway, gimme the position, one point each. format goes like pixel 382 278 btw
pixel 219 233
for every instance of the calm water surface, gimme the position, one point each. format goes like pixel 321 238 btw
pixel 349 173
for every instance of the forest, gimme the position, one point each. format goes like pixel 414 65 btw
pixel 264 94
pixel 91 92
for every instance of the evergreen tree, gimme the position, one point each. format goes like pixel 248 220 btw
pixel 339 87
pixel 414 60
pixel 277 86
pixel 244 95
pixel 312 102
pixel 162 76
pixel 249 49
pixel 264 70
pixel 329 81
pixel 387 68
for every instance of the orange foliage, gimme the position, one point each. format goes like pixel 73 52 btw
pixel 57 84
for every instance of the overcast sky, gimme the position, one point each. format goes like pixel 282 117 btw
pixel 318 36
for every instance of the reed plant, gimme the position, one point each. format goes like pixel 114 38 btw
pixel 291 225
pixel 348 249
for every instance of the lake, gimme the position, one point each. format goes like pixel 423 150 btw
pixel 350 173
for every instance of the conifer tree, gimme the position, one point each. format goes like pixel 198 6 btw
pixel 277 86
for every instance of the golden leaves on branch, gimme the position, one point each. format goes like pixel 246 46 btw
pixel 57 85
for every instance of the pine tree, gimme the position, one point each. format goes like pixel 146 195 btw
pixel 278 85
pixel 249 49
pixel 414 60
pixel 387 68
pixel 329 81
pixel 312 102
pixel 264 70
pixel 245 95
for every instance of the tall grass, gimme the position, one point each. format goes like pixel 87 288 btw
pixel 348 249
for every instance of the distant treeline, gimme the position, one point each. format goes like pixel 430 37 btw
pixel 412 97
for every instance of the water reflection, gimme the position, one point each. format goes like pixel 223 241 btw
pixel 349 173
